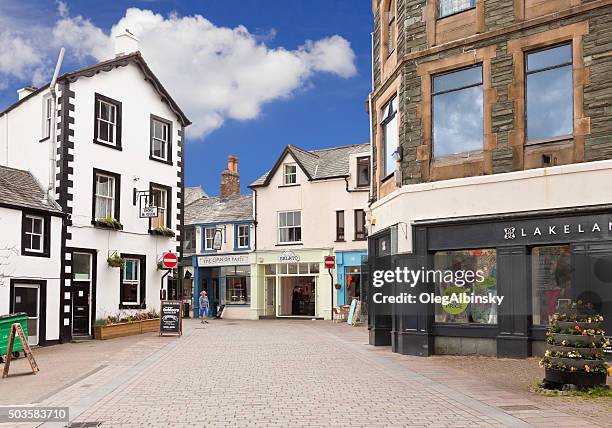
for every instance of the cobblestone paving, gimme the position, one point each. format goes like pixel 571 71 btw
pixel 284 373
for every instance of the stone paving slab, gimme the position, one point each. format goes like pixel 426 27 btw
pixel 289 373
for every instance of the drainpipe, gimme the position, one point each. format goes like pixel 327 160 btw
pixel 371 200
pixel 53 133
pixel 255 218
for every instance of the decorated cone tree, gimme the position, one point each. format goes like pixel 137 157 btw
pixel 575 352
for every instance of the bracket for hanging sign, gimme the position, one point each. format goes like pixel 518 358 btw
pixel 146 209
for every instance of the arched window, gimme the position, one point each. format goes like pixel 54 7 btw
pixel 391 36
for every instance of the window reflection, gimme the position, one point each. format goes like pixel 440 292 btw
pixel 549 103
pixel 457 109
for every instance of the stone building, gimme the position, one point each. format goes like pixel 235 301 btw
pixel 491 125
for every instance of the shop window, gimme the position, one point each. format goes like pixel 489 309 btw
pixel 457 110
pixel 361 231
pixel 549 93
pixel 363 171
pixel 388 124
pixel 339 225
pixel 133 280
pixel 290 174
pixel 451 7
pixel 290 227
pixel 237 290
pixel 470 272
pixel 551 281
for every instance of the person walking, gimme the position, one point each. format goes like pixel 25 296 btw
pixel 204 307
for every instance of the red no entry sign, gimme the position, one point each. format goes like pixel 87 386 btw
pixel 330 262
pixel 169 260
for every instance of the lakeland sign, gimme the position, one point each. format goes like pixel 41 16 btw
pixel 530 231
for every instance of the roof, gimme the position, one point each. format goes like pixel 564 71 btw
pixel 217 210
pixel 194 193
pixel 21 189
pixel 317 164
pixel 108 65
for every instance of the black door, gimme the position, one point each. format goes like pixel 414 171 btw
pixel 80 308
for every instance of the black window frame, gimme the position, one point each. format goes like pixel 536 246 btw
pixel 460 88
pixel 117 104
pixel 190 229
pixel 527 73
pixel 46 236
pixel 142 282
pixel 168 190
pixel 117 210
pixel 340 229
pixel 364 231
pixel 361 161
pixel 167 122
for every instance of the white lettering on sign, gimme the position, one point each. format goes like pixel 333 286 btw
pixel 511 233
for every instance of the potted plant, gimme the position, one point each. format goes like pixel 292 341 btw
pixel 115 261
pixel 575 353
pixel 109 223
pixel 162 231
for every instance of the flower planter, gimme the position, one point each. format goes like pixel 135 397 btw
pixel 574 378
pixel 125 329
pixel 579 363
pixel 573 324
pixel 576 338
pixel 585 352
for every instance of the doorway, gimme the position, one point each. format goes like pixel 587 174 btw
pixel 297 296
pixel 353 284
pixel 29 298
pixel 270 296
pixel 82 268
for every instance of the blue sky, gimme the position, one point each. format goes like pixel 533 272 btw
pixel 324 110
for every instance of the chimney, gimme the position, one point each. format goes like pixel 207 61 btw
pixel 25 91
pixel 230 179
pixel 125 43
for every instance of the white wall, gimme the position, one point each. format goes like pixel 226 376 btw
pixel 139 100
pixel 318 201
pixel 573 185
pixel 15 266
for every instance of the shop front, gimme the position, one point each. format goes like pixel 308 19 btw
pixel 530 266
pixel 349 273
pixel 291 284
pixel 227 280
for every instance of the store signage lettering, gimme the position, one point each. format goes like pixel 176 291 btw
pixel 288 257
pixel 223 260
pixel 565 229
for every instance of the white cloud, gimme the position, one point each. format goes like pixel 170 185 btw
pixel 213 72
pixel 19 57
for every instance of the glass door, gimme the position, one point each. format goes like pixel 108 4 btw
pixel 270 296
pixel 81 294
pixel 26 298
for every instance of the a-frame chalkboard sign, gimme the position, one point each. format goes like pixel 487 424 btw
pixel 16 330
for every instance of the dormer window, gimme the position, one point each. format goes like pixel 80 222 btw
pixel 107 126
pixel 391 37
pixel 290 174
pixel 451 7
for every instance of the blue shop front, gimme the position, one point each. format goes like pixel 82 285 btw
pixel 350 275
pixel 227 281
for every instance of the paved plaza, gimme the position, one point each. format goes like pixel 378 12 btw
pixel 280 373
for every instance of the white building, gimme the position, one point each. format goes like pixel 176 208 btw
pixel 311 204
pixel 30 254
pixel 119 133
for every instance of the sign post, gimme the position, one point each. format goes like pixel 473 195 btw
pixel 330 263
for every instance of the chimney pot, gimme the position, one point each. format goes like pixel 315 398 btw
pixel 230 179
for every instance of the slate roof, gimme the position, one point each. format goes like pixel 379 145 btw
pixel 108 65
pixel 192 194
pixel 215 210
pixel 317 164
pixel 20 188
